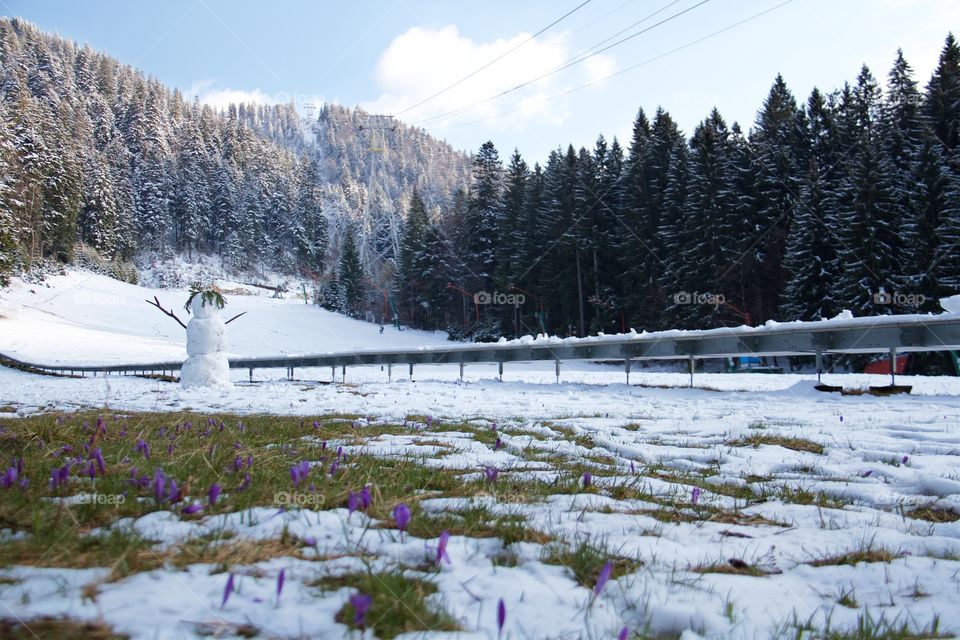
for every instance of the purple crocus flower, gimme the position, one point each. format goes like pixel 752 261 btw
pixel 316 425
pixel 624 634
pixel 429 421
pixel 213 493
pixel 401 516
pixel 91 470
pixel 587 479
pixel 695 495
pixel 98 456
pixel 192 508
pixel 633 469
pixel 501 617
pixel 497 444
pixel 227 591
pixel 159 485
pixel 442 547
pixel 361 604
pixel 174 493
pixel 866 474
pixel 9 477
pixel 280 579
pixel 605 573
pixel 353 501
pixel 365 499
pixel 101 425
pixel 246 482
pixel 334 468
pixel 905 460
pixel 339 452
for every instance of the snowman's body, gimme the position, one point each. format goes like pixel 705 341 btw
pixel 206 363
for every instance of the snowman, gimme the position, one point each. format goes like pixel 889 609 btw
pixel 206 364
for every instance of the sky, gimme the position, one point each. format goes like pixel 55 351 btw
pixel 389 55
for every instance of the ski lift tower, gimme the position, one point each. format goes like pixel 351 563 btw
pixel 377 127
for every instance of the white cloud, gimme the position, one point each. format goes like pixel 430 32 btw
pixel 422 61
pixel 207 92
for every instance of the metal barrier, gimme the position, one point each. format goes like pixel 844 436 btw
pixel 880 334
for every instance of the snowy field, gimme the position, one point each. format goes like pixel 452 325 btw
pixel 749 507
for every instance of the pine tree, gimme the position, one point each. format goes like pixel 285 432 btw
pixel 941 105
pixel 350 274
pixel 869 254
pixel 811 260
pixel 483 219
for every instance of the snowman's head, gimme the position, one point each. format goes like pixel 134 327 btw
pixel 205 302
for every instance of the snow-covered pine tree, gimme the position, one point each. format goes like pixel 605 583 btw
pixel 811 258
pixel 350 274
pixel 869 251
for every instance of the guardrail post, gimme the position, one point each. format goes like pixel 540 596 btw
pixel 626 368
pixel 501 370
pixel 893 366
pixel 251 374
pixel 389 371
pixel 411 371
pixel 343 372
pixel 819 363
pixel 557 369
pixel 692 365
pixel 333 373
pixel 461 371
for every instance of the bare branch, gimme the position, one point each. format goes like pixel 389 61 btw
pixel 235 317
pixel 156 303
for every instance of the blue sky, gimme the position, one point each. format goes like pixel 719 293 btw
pixel 387 55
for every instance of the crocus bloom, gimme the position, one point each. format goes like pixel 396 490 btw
pixel 633 469
pixel 213 493
pixel 98 456
pixel 624 633
pixel 490 474
pixel 695 495
pixel 587 479
pixel 442 547
pixel 365 497
pixel 361 604
pixel 603 577
pixel 501 616
pixel 497 444
pixel 334 468
pixel 905 459
pixel 280 579
pixel 353 501
pixel 192 508
pixel 227 591
pixel 401 515
pixel 866 474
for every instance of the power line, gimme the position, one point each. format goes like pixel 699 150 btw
pixel 569 63
pixel 497 59
pixel 622 71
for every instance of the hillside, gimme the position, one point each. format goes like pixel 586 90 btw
pixel 95 151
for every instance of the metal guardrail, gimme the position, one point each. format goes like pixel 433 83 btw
pixel 881 334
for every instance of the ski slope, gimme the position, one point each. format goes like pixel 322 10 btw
pixel 83 317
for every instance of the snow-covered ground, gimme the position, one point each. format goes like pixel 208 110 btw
pixel 881 458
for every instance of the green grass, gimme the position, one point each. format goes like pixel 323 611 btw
pixel 867 552
pixel 399 603
pixel 787 442
pixel 50 628
pixel 584 560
